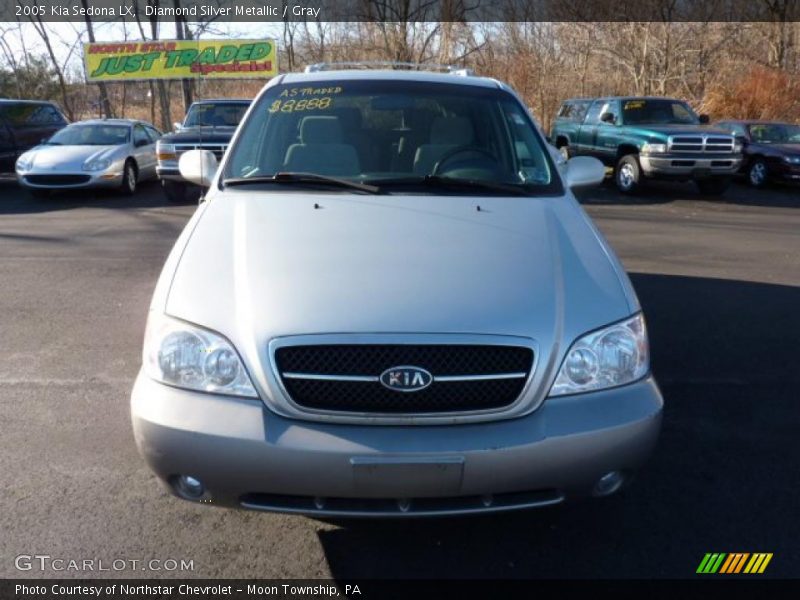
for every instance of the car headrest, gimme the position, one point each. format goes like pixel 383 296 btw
pixel 349 117
pixel 321 130
pixel 453 131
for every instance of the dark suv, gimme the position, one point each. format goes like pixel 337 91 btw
pixel 771 150
pixel 209 125
pixel 23 125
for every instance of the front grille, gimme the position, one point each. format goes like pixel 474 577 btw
pixel 346 378
pixel 217 149
pixel 701 144
pixel 57 179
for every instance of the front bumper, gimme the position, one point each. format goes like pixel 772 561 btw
pixel 170 173
pixel 248 457
pixel 689 167
pixel 101 179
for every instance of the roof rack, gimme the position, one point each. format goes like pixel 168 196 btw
pixel 375 64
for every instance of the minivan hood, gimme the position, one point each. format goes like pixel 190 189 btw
pixel 262 264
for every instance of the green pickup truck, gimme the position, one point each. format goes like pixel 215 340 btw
pixel 648 138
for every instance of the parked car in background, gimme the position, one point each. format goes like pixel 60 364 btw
pixel 23 125
pixel 648 138
pixel 771 150
pixel 209 125
pixel 98 153
pixel 392 305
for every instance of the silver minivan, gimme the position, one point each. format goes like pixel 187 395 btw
pixel 390 304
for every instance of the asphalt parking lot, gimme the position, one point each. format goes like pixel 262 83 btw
pixel 718 280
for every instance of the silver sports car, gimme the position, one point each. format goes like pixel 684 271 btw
pixel 109 153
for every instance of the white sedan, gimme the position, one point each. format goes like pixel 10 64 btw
pixel 99 153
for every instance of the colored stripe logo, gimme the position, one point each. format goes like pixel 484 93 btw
pixel 734 563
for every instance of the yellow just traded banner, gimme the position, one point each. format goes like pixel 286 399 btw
pixel 180 59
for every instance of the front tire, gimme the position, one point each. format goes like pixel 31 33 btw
pixel 129 175
pixel 757 174
pixel 628 175
pixel 713 187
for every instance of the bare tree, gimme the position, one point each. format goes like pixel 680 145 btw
pixel 105 103
pixel 41 29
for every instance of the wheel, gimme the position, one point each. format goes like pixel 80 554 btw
pixel 175 191
pixel 628 175
pixel 39 194
pixel 129 175
pixel 564 150
pixel 713 187
pixel 757 173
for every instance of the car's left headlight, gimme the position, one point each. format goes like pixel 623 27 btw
pixel 96 165
pixel 651 148
pixel 24 163
pixel 609 357
pixel 792 160
pixel 193 358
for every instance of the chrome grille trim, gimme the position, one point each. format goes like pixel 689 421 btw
pixel 373 379
pixel 319 377
pixel 720 144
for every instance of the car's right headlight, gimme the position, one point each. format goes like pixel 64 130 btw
pixel 609 357
pixel 190 357
pixel 165 151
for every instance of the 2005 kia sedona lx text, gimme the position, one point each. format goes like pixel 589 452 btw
pixel 391 304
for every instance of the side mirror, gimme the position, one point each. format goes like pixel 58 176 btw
pixel 140 143
pixel 584 171
pixel 704 120
pixel 177 126
pixel 608 117
pixel 198 166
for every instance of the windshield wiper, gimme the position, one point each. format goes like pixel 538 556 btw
pixel 291 177
pixel 455 182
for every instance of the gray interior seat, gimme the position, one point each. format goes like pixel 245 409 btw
pixel 321 149
pixel 447 133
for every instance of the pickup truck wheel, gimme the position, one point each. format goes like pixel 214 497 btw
pixel 175 191
pixel 713 187
pixel 757 173
pixel 628 174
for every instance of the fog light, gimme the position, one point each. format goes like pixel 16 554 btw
pixel 189 487
pixel 608 483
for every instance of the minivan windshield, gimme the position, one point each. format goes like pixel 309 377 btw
pixel 649 111
pixel 91 135
pixel 393 134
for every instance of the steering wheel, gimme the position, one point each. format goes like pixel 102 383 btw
pixel 450 154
